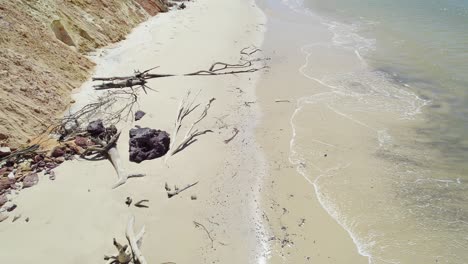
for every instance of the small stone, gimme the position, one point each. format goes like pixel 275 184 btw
pixel 51 175
pixel 95 128
pixel 193 197
pixel 38 158
pixel 82 141
pixel 9 206
pixel 30 180
pixel 27 219
pixel 139 115
pixel 57 152
pixel 51 165
pixel 60 159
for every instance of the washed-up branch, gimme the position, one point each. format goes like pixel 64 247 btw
pixel 176 191
pixel 186 107
pixel 131 253
pixel 140 79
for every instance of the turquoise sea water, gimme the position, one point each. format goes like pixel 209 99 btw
pixel 423 42
pixel 401 189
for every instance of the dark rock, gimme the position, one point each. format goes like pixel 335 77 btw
pixel 96 128
pixel 139 115
pixel 38 158
pixel 182 6
pixel 82 142
pixel 51 165
pixel 30 180
pixel 9 206
pixel 57 152
pixel 147 144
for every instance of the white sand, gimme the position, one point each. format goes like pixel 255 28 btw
pixel 74 218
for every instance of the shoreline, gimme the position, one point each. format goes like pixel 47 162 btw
pixel 303 230
pixel 79 207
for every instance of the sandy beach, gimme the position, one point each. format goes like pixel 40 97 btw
pixel 74 218
pixel 252 203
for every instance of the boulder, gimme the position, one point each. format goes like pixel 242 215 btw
pixel 146 144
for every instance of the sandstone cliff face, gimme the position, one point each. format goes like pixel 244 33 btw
pixel 42 47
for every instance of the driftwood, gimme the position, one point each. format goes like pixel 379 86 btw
pixel 217 68
pixel 186 107
pixel 129 253
pixel 236 131
pixel 206 231
pixel 176 191
pixel 109 150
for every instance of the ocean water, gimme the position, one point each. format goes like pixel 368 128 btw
pixel 392 119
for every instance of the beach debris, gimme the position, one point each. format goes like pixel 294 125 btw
pixel 9 206
pixel 282 101
pixel 146 144
pixel 140 204
pixel 166 186
pixel 182 6
pixel 245 65
pixel 16 217
pixel 193 197
pixel 26 220
pixel 208 233
pixel 249 103
pixel 131 253
pixel 106 142
pixel 51 174
pixel 176 191
pixel 236 131
pixel 301 222
pixel 123 257
pixel 249 50
pixel 186 107
pixel 128 201
pixel 139 115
